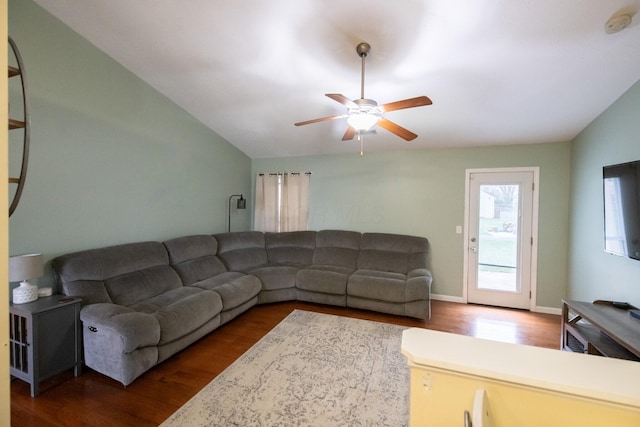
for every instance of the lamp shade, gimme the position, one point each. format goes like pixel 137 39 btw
pixel 241 203
pixel 25 267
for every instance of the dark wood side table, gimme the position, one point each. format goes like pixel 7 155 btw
pixel 45 339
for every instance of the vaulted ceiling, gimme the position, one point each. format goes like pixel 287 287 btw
pixel 497 71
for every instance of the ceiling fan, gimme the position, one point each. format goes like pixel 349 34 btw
pixel 363 114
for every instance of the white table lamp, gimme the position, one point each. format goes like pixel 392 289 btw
pixel 23 268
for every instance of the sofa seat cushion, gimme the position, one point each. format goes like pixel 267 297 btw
pixel 378 285
pixel 181 311
pixel 219 279
pixel 328 279
pixel 275 277
pixel 234 288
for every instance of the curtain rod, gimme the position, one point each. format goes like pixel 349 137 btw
pixel 285 173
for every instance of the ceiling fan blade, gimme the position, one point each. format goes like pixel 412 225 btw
pixel 406 103
pixel 342 99
pixel 397 129
pixel 322 119
pixel 349 134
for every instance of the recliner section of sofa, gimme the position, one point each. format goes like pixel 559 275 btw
pixel 143 302
pixel 391 276
pixel 334 260
pixel 195 260
pixel 287 253
pixel 136 310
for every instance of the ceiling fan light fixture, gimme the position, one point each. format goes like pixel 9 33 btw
pixel 363 113
pixel 362 121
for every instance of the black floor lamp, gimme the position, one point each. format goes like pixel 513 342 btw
pixel 240 204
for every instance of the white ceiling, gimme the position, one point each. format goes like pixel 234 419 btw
pixel 498 71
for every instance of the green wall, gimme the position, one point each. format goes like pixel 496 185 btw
pixel 112 160
pixel 611 138
pixel 421 193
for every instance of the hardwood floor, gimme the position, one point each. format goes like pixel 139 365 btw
pixel 96 400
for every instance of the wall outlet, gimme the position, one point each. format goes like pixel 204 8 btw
pixel 458 229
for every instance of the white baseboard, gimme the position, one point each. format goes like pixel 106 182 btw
pixel 446 298
pixel 537 309
pixel 548 310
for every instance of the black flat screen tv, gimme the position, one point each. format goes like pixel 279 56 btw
pixel 621 190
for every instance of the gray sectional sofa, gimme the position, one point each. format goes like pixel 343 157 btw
pixel 145 301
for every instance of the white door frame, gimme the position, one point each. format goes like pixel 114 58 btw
pixel 534 228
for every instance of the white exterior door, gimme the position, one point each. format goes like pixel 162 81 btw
pixel 501 216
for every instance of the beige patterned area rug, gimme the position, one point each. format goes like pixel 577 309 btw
pixel 312 369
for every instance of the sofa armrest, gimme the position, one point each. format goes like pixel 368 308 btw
pixel 125 329
pixel 418 285
pixel 419 272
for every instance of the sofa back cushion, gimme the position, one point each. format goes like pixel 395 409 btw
pixel 291 247
pixel 394 253
pixel 242 251
pixel 194 258
pixel 122 274
pixel 338 248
